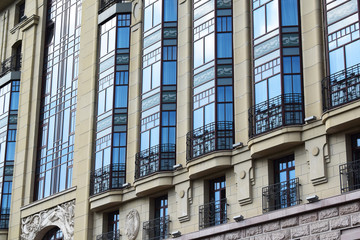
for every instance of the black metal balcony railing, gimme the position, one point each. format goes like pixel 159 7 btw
pixel 156 229
pixel 109 177
pixel 279 111
pixel 4 218
pixel 209 138
pixel 113 235
pixel 155 159
pixel 350 176
pixel 12 63
pixel 341 87
pixel 213 213
pixel 281 195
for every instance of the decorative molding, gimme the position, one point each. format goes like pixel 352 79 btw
pixel 61 216
pixel 132 224
pixel 26 23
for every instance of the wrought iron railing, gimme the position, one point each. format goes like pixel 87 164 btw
pixel 12 63
pixel 341 87
pixel 109 177
pixel 4 218
pixel 209 138
pixel 279 111
pixel 155 159
pixel 350 176
pixel 156 229
pixel 105 4
pixel 113 235
pixel 281 195
pixel 213 213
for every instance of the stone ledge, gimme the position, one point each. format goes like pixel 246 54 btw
pixel 275 215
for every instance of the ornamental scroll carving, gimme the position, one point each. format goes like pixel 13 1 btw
pixel 61 216
pixel 132 224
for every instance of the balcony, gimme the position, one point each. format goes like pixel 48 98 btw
pixel 350 176
pixel 155 159
pixel 4 218
pixel 281 195
pixel 156 229
pixel 109 177
pixel 209 138
pixel 212 214
pixel 283 110
pixel 113 235
pixel 11 64
pixel 341 87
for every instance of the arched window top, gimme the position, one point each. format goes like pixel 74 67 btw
pixel 54 234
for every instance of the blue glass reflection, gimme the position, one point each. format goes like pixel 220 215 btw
pixel 224 45
pixel 170 10
pixel 289 13
pixel 123 37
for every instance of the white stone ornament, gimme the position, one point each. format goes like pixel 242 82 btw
pixel 62 216
pixel 132 224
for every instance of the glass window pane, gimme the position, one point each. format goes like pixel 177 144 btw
pixel 154 137
pixel 224 45
pixel 336 60
pixel 121 96
pixel 123 37
pixel 146 79
pixel 148 18
pixel 169 73
pixel 209 113
pixel 144 141
pixel 157 13
pixel 198 53
pixel 260 92
pixel 274 86
pixel 198 118
pixel 272 16
pixel 259 21
pixel 209 46
pixel 170 10
pixel 352 54
pixel 289 13
pixel 155 75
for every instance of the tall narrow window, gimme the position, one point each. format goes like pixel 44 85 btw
pixel 278 94
pixel 343 42
pixel 158 228
pixel 159 86
pixel 285 190
pixel 58 99
pixel 350 171
pixel 9 101
pixel 212 92
pixel 215 211
pixel 112 105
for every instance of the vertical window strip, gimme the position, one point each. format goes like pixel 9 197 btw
pixel 55 156
pixel 111 129
pixel 277 65
pixel 158 86
pixel 9 100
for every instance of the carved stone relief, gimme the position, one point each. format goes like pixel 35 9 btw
pixel 132 224
pixel 61 216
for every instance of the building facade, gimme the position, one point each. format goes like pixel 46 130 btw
pixel 203 119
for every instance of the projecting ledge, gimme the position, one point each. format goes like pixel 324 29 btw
pixel 209 164
pixel 153 183
pixel 106 200
pixel 344 117
pixel 276 141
